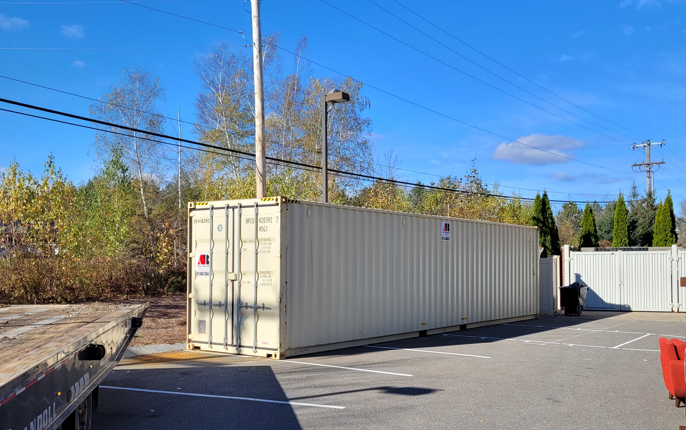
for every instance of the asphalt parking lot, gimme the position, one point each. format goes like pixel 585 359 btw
pixel 598 371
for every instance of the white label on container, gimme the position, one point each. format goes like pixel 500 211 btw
pixel 445 231
pixel 202 265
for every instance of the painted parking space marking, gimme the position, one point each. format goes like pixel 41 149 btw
pixel 425 350
pixel 343 367
pixel 604 330
pixel 543 343
pixel 633 340
pixel 213 396
pixel 672 335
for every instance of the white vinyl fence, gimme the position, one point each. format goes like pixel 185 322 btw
pixel 629 280
pixel 549 283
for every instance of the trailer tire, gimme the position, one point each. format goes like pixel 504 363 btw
pixel 80 419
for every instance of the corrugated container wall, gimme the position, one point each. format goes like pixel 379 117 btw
pixel 332 276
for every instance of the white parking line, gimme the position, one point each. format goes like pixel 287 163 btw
pixel 424 350
pixel 604 330
pixel 672 335
pixel 543 343
pixel 249 399
pixel 634 340
pixel 346 368
pixel 530 342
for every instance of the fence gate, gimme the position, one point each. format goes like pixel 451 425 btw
pixel 628 280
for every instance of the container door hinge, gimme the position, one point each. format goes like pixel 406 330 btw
pixel 232 276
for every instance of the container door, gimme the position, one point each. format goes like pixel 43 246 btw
pixel 258 288
pixel 214 276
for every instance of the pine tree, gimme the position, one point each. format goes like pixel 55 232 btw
pixel 620 230
pixel 660 237
pixel 589 232
pixel 669 204
pixel 665 224
pixel 605 221
pixel 553 240
pixel 538 220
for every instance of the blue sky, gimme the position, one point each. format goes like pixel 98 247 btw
pixel 622 60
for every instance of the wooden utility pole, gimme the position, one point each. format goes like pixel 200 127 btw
pixel 650 186
pixel 260 173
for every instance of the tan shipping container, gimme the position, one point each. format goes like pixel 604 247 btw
pixel 332 276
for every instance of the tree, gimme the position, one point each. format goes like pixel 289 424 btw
pixel 606 221
pixel 620 230
pixel 554 236
pixel 672 219
pixel 665 228
pixel 641 218
pixel 589 233
pixel 133 103
pixel 569 224
pixel 542 217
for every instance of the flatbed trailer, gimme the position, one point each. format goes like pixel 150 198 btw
pixel 53 358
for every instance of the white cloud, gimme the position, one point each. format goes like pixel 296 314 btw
pixel 553 149
pixel 78 64
pixel 563 177
pixel 72 31
pixel 12 24
pixel 578 33
pixel 566 57
pixel 599 179
pixel 628 30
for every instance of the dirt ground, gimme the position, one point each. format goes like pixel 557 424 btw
pixel 165 321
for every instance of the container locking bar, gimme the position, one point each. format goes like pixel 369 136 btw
pixel 239 243
pixel 256 277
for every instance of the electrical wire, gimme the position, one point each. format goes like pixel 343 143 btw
pixel 238 152
pixel 493 73
pixel 119 49
pixel 406 100
pixel 184 17
pixel 270 141
pixel 467 74
pixel 510 70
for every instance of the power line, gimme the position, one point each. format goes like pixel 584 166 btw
pixel 490 71
pixel 118 49
pixel 402 98
pixel 270 141
pixel 465 73
pixel 184 17
pixel 509 69
pixel 234 151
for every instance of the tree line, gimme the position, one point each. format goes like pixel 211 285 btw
pixel 636 222
pixel 122 233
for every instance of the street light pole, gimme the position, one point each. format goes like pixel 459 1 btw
pixel 334 97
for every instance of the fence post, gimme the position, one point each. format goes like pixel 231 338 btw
pixel 676 293
pixel 566 257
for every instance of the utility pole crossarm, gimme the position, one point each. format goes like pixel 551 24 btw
pixel 648 165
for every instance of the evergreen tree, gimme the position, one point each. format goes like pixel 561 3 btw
pixel 538 220
pixel 605 221
pixel 660 237
pixel 669 204
pixel 553 241
pixel 642 212
pixel 665 234
pixel 589 233
pixel 620 230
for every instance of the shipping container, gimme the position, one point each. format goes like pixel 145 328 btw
pixel 322 276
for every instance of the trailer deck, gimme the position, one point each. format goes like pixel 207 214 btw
pixel 54 356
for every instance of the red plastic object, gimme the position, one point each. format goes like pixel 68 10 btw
pixel 672 354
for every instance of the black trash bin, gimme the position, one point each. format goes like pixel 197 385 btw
pixel 573 298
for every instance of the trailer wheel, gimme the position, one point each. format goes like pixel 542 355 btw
pixel 80 419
